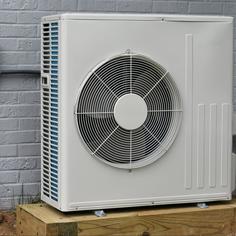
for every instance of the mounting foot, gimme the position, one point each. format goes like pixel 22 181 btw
pixel 202 205
pixel 100 213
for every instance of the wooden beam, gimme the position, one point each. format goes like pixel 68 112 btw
pixel 27 224
pixel 185 220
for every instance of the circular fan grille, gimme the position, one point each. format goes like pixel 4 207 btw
pixel 104 136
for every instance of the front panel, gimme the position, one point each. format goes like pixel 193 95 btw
pixel 197 166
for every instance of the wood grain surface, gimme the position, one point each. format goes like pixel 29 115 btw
pixel 182 220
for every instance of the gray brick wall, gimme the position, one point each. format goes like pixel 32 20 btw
pixel 19 140
pixel 19 95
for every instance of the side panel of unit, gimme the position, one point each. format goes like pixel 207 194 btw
pixel 50 112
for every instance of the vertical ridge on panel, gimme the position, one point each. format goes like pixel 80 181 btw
pixel 212 145
pixel 188 108
pixel 224 142
pixel 200 145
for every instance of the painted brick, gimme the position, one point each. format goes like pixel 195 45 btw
pixel 9 203
pixel 29 176
pixel 12 58
pixel 170 7
pixel 9 177
pixel 17 30
pixel 37 136
pixel 8 98
pixel 31 198
pixel 8 150
pixel 29 149
pixel 18 4
pixel 20 163
pixel 29 124
pixel 15 137
pixel 19 83
pixel 86 5
pixel 97 5
pixel 29 67
pixel 229 8
pixel 32 16
pixel 9 124
pixel 38 163
pixel 7 67
pixel 234 33
pixel 8 44
pixel 8 17
pixel 12 202
pixel 10 190
pixel 14 190
pixel 31 189
pixel 49 5
pixel 69 5
pixel 234 93
pixel 20 111
pixel 134 6
pixel 205 8
pixel 29 97
pixel 28 44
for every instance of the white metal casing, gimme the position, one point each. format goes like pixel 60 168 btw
pixel 197 52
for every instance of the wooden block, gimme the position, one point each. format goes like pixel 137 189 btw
pixel 1 218
pixel 185 220
pixel 27 223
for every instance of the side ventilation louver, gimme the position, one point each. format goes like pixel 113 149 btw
pixel 50 110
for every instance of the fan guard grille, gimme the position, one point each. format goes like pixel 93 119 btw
pixel 112 79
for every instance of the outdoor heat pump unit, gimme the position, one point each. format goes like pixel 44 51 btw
pixel 136 110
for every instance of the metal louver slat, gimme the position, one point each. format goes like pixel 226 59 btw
pixel 50 110
pixel 128 77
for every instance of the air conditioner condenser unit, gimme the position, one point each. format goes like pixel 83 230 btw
pixel 136 110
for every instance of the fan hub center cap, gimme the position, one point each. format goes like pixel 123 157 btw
pixel 130 111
